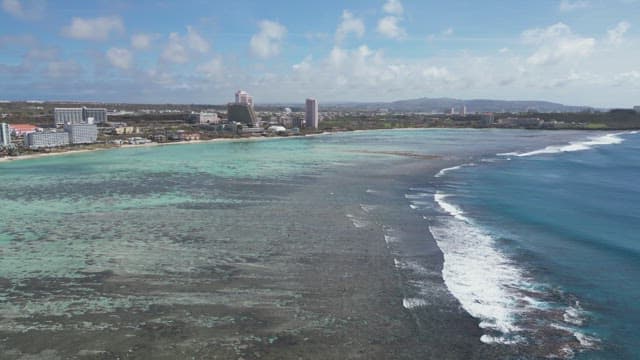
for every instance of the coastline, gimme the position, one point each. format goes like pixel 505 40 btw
pixel 365 268
pixel 153 144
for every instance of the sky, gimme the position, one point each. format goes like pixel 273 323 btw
pixel 576 52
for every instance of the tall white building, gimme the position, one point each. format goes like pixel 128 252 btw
pixel 81 115
pixel 5 135
pixel 243 97
pixel 46 139
pixel 82 133
pixel 311 113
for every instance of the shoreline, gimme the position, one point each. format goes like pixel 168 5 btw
pixel 153 144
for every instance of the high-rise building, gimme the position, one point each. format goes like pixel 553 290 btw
pixel 82 133
pixel 311 113
pixel 243 97
pixel 5 135
pixel 241 113
pixel 63 116
pixel 46 139
pixel 81 115
pixel 99 116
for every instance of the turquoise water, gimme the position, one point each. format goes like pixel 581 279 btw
pixel 566 223
pixel 548 236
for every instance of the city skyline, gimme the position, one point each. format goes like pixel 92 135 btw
pixel 574 52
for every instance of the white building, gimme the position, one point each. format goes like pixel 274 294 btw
pixel 311 113
pixel 5 135
pixel 205 118
pixel 63 116
pixel 243 97
pixel 82 133
pixel 46 139
pixel 81 115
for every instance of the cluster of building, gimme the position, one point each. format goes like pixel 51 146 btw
pixel 79 125
pixel 72 126
pixel 242 117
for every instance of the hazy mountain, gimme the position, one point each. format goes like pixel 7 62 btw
pixel 476 105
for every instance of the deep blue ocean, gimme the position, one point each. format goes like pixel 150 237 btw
pixel 560 228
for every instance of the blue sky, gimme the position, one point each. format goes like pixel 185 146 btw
pixel 579 52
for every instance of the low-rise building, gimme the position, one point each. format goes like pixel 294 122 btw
pixel 204 118
pixel 82 133
pixel 20 130
pixel 124 130
pixel 46 139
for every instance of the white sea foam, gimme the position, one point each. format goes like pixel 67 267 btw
pixel 389 239
pixel 609 139
pixel 574 315
pixel 449 208
pixel 476 273
pixel 586 341
pixel 442 172
pixel 412 303
pixel 357 222
pixel 488 339
pixel 368 208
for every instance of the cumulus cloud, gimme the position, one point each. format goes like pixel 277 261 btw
pixel 98 29
pixel 60 69
pixel 211 69
pixel 569 5
pixel 389 26
pixel 196 42
pixel 556 43
pixel 180 48
pixel 26 10
pixel 175 51
pixel 268 41
pixel 349 25
pixel 120 58
pixel 141 41
pixel 616 35
pixel 393 7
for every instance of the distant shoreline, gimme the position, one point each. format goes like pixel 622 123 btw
pixel 152 144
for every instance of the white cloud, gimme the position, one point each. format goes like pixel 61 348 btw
pixel 628 78
pixel 59 69
pixel 616 35
pixel 388 27
pixel 99 28
pixel 26 10
pixel 120 58
pixel 393 7
pixel 196 42
pixel 447 31
pixel 349 25
pixel 175 51
pixel 569 5
pixel 555 44
pixel 180 48
pixel 141 41
pixel 211 69
pixel 268 41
